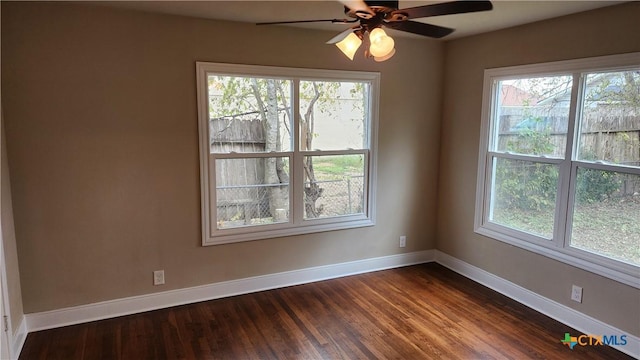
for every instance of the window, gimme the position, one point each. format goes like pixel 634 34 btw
pixel 285 151
pixel 559 165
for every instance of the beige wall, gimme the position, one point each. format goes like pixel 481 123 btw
pixel 100 112
pixel 602 32
pixel 101 128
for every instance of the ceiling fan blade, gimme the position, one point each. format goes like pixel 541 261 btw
pixel 335 21
pixel 419 28
pixel 447 8
pixel 357 6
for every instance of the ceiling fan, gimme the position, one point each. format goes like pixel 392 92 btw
pixel 370 17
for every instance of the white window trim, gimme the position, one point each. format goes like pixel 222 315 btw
pixel 556 247
pixel 296 225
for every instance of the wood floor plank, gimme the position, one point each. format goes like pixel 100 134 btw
pixel 416 312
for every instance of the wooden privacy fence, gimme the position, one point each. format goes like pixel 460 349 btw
pixel 609 134
pixel 239 193
pixel 242 196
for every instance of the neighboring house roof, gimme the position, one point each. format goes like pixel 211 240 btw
pixel 513 96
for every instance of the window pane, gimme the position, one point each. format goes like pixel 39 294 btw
pixel 524 195
pixel 531 115
pixel 249 114
pixel 333 115
pixel 610 124
pixel 334 185
pixel 252 191
pixel 606 215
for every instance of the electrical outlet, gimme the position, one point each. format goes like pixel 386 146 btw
pixel 403 241
pixel 158 277
pixel 576 293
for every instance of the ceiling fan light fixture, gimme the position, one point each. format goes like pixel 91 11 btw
pixel 349 45
pixel 371 15
pixel 381 44
pixel 386 57
pixel 377 34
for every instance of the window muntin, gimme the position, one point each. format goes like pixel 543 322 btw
pixel 590 156
pixel 603 207
pixel 531 115
pixel 609 112
pixel 338 188
pixel 523 196
pixel 271 137
pixel 530 121
pixel 334 113
pixel 249 114
pixel 251 191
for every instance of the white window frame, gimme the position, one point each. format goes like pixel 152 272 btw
pixel 296 224
pixel 558 246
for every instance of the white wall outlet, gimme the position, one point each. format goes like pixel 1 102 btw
pixel 403 241
pixel 158 277
pixel 576 293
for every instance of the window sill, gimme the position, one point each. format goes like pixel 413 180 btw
pixel 231 236
pixel 599 265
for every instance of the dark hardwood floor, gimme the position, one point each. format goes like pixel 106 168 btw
pixel 416 312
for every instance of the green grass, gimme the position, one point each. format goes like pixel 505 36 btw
pixel 331 167
pixel 609 227
pixel 535 222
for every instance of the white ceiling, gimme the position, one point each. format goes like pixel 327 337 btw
pixel 504 14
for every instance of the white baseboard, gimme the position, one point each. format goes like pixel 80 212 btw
pixel 137 304
pixel 555 310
